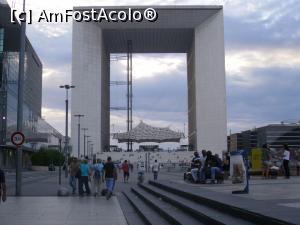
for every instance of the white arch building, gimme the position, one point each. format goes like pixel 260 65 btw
pixel 195 30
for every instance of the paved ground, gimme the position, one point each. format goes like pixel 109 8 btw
pixel 278 197
pixel 61 211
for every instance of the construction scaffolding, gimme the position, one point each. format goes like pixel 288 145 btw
pixel 129 94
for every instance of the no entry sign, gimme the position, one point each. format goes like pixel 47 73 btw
pixel 17 138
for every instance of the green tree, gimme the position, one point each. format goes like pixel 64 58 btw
pixel 45 157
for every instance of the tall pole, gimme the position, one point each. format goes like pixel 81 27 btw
pixel 79 116
pixel 67 135
pixel 87 141
pixel 67 87
pixel 20 103
pixel 59 167
pixel 129 91
pixel 88 148
pixel 84 130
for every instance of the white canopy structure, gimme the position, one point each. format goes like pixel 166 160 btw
pixel 146 133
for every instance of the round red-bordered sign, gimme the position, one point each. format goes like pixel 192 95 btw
pixel 17 138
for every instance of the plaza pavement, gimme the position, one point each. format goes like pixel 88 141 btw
pixel 61 211
pixel 279 198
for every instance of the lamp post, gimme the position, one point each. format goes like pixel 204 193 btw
pixel 89 143
pixel 79 116
pixel 86 141
pixel 67 87
pixel 84 130
pixel 20 102
pixel 92 150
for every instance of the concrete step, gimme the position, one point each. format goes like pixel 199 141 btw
pixel 202 213
pixel 173 214
pixel 234 211
pixel 149 215
pixel 131 215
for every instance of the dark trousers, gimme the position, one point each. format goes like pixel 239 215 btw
pixel 155 175
pixel 286 168
pixel 84 181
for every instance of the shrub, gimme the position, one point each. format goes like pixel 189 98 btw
pixel 45 157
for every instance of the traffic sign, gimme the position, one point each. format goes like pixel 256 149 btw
pixel 17 138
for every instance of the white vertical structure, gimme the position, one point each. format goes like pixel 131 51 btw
pixel 207 122
pixel 90 75
pixel 195 30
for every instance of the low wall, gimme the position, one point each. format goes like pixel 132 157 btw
pixel 41 168
pixel 161 157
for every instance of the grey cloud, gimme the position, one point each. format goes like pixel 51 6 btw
pixel 274 100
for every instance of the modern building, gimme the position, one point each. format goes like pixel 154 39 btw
pixel 196 31
pixel 275 135
pixel 38 132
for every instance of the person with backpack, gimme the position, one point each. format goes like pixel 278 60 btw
pixel 84 177
pixel 125 168
pixel 73 169
pixel 2 186
pixel 97 177
pixel 110 176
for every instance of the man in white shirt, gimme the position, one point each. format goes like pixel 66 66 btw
pixel 155 169
pixel 286 160
pixel 141 170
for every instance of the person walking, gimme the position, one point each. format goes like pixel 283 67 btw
pixel 141 170
pixel 266 161
pixel 97 176
pixel 2 186
pixel 73 169
pixel 84 178
pixel 155 169
pixel 286 160
pixel 125 168
pixel 110 176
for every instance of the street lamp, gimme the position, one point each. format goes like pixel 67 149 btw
pixel 67 87
pixel 87 140
pixel 84 130
pixel 19 151
pixel 88 148
pixel 79 116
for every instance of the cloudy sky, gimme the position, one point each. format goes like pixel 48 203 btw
pixel 262 41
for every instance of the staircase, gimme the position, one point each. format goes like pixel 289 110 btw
pixel 156 203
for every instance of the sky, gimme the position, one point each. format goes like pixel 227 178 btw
pixel 262 48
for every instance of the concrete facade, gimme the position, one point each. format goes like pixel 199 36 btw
pixel 195 30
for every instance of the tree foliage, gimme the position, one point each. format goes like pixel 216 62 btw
pixel 45 157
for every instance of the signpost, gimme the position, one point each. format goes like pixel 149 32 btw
pixel 17 138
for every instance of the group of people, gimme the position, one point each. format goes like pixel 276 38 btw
pixel 205 164
pixel 96 173
pixel 155 167
pixel 267 161
pixel 99 172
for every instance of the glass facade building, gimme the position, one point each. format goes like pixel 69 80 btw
pixel 38 133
